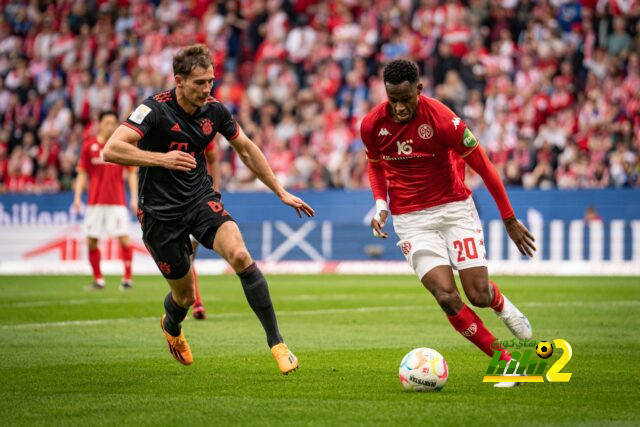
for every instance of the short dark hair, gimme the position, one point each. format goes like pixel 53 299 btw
pixel 190 57
pixel 104 114
pixel 400 70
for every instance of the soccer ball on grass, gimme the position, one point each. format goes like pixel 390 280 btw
pixel 423 369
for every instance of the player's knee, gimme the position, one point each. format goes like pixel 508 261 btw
pixel 240 259
pixel 479 294
pixel 93 244
pixel 479 299
pixel 449 301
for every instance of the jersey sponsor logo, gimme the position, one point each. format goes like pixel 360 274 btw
pixel 468 140
pixel 404 147
pixel 425 131
pixel 207 126
pixel 406 248
pixel 415 156
pixel 456 122
pixel 181 146
pixel 176 128
pixel 139 114
pixel 95 147
pixel 384 132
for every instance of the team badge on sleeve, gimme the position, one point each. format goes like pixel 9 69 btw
pixel 468 140
pixel 139 114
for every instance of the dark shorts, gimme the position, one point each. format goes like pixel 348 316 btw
pixel 169 242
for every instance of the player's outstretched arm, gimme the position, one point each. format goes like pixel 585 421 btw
pixel 121 149
pixel 81 182
pixel 379 187
pixel 251 156
pixel 520 235
pixel 132 179
pixel 213 166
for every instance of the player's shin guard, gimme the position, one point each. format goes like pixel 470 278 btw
pixel 175 315
pixel 498 300
pixel 94 260
pixel 257 292
pixel 127 256
pixel 471 327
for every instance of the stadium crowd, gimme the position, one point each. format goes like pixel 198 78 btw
pixel 551 88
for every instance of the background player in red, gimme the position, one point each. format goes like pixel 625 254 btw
pixel 106 206
pixel 417 149
pixel 211 155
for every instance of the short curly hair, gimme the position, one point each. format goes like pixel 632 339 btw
pixel 400 70
pixel 190 57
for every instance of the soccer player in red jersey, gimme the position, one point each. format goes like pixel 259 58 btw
pixel 106 211
pixel 417 149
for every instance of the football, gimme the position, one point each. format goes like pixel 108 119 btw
pixel 423 369
pixel 544 349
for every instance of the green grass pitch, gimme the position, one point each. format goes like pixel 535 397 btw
pixel 74 357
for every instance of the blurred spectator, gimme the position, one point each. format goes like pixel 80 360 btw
pixel 551 89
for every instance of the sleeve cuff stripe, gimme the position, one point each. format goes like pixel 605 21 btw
pixel 470 151
pixel 129 125
pixel 235 135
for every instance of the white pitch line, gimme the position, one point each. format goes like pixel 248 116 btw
pixel 94 322
pixel 619 303
pixel 46 303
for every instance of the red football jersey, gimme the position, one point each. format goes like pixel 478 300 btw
pixel 422 159
pixel 106 182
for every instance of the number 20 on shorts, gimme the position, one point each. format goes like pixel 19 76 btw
pixel 466 249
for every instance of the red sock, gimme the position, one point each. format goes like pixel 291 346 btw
pixel 94 260
pixel 195 282
pixel 471 327
pixel 498 300
pixel 127 256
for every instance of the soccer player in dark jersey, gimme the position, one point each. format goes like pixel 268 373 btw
pixel 417 149
pixel 166 136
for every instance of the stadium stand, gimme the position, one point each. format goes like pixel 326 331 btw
pixel 551 88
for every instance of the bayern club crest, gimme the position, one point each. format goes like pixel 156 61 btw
pixel 207 127
pixel 425 131
pixel 406 248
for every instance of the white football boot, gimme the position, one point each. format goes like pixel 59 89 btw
pixel 509 384
pixel 517 322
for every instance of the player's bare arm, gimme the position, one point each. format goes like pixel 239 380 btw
pixel 213 167
pixel 520 235
pixel 121 149
pixel 253 157
pixel 132 180
pixel 81 182
pixel 382 211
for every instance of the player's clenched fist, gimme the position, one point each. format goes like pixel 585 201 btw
pixel 178 160
pixel 378 222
